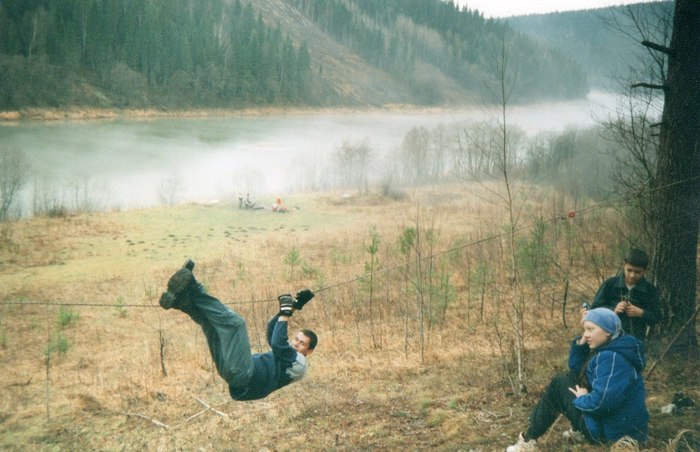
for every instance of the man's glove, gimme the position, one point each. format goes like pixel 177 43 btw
pixel 286 305
pixel 303 297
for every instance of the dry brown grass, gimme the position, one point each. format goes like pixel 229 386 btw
pixel 367 388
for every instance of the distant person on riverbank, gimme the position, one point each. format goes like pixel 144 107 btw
pixel 278 206
pixel 249 376
pixel 634 299
pixel 250 204
pixel 602 395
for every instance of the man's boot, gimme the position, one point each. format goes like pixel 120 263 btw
pixel 182 287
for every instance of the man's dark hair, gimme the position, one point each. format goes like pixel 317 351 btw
pixel 637 257
pixel 313 339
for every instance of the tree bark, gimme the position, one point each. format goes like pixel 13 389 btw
pixel 678 178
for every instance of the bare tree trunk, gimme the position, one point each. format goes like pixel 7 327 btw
pixel 420 298
pixel 35 25
pixel 517 302
pixel 48 367
pixel 678 174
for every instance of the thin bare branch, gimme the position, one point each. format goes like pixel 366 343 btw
pixel 210 408
pixel 652 45
pixel 649 85
pixel 154 421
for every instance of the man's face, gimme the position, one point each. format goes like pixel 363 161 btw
pixel 594 335
pixel 633 274
pixel 300 343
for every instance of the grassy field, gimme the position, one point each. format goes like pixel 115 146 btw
pixel 418 356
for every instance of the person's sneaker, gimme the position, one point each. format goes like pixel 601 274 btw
pixel 522 445
pixel 574 436
pixel 681 401
pixel 181 287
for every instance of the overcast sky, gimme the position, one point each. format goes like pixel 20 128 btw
pixel 505 8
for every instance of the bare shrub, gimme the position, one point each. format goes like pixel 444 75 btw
pixel 14 170
pixel 169 191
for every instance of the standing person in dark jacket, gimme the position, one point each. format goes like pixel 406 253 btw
pixel 249 376
pixel 631 296
pixel 603 393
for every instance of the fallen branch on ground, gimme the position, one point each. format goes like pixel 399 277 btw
pixel 207 408
pixel 158 423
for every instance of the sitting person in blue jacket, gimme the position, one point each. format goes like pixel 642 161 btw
pixel 249 376
pixel 602 395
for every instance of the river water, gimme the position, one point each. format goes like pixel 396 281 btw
pixel 133 163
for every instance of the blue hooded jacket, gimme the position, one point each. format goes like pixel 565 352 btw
pixel 615 405
pixel 274 369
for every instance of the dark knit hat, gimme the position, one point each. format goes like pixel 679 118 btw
pixel 606 319
pixel 637 257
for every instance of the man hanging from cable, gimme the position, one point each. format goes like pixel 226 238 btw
pixel 249 376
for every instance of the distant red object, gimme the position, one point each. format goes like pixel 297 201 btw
pixel 571 214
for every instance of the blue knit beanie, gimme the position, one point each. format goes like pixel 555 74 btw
pixel 606 319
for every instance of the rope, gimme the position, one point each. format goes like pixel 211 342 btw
pixel 593 208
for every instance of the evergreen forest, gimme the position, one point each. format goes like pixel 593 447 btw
pixel 180 54
pixel 606 42
pixel 134 53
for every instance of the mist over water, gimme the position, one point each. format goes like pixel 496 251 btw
pixel 125 164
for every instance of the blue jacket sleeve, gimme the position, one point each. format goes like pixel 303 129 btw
pixel 578 354
pixel 279 341
pixel 271 328
pixel 609 375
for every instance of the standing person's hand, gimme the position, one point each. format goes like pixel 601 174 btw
pixel 633 311
pixel 584 310
pixel 621 307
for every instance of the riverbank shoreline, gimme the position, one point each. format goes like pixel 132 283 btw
pixel 80 114
pixel 88 113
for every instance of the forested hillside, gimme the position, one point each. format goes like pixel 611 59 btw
pixel 179 54
pixel 134 53
pixel 605 42
pixel 423 43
